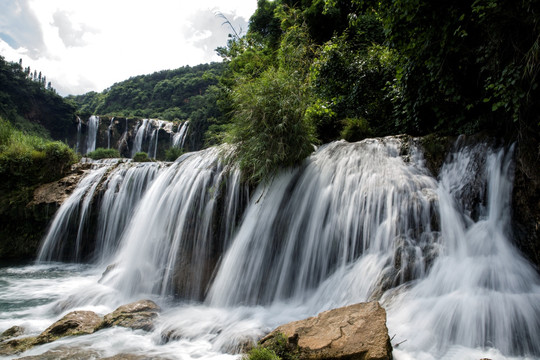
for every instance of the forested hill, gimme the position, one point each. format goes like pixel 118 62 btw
pixel 168 94
pixel 31 104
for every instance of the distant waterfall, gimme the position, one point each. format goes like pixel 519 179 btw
pixel 78 144
pixel 180 137
pixel 109 130
pixel 140 135
pixel 93 125
pixel 154 137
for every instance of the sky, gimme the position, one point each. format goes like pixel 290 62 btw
pixel 88 45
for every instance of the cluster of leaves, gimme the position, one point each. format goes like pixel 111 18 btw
pixel 27 160
pixel 102 153
pixel 464 66
pixel 276 348
pixel 31 107
pixel 141 157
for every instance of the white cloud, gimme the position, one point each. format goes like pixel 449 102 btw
pixel 91 44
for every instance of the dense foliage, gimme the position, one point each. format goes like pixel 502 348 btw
pixel 379 68
pixel 168 94
pixel 27 160
pixel 102 153
pixel 31 105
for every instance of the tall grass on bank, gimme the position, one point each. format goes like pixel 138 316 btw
pixel 26 160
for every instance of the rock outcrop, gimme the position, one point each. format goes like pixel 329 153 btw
pixel 353 332
pixel 74 323
pixel 137 315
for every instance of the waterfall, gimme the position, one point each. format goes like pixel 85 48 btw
pixel 480 291
pixel 350 202
pixel 123 142
pixel 180 137
pixel 355 222
pixel 78 145
pixel 123 184
pixel 140 135
pixel 153 143
pixel 172 243
pixel 71 218
pixel 109 130
pixel 93 125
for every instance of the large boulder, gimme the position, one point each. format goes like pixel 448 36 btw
pixel 355 332
pixel 74 323
pixel 137 315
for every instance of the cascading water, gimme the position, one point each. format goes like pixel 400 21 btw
pixel 109 130
pixel 180 137
pixel 171 245
pixel 71 218
pixel 355 222
pixel 140 135
pixel 153 143
pixel 123 188
pixel 79 126
pixel 93 125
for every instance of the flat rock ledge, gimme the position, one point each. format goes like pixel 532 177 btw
pixel 355 332
pixel 136 315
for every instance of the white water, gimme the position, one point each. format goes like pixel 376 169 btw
pixel 153 143
pixel 93 125
pixel 356 222
pixel 109 130
pixel 140 135
pixel 78 144
pixel 180 137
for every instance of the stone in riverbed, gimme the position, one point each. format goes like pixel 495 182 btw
pixel 137 315
pixel 74 323
pixel 355 332
pixel 12 332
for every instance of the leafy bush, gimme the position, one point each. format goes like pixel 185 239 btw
pixel 141 157
pixel 269 127
pixel 102 153
pixel 26 160
pixel 355 129
pixel 261 353
pixel 173 153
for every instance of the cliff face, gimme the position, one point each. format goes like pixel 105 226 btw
pixel 25 214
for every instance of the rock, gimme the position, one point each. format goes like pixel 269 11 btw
pixel 137 315
pixel 16 346
pixel 65 353
pixel 74 323
pixel 353 332
pixel 134 357
pixel 57 192
pixel 12 332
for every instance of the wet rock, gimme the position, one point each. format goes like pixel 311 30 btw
pixel 16 346
pixel 134 357
pixel 65 353
pixel 137 315
pixel 57 192
pixel 12 332
pixel 74 323
pixel 353 332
